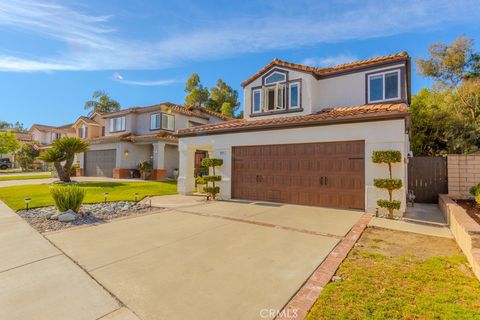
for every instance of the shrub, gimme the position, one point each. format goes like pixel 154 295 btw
pixel 67 197
pixel 388 157
pixel 477 198
pixel 212 190
pixel 475 190
pixel 73 171
pixel 200 180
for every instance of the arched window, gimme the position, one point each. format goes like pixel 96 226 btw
pixel 275 77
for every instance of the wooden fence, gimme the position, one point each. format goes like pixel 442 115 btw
pixel 427 177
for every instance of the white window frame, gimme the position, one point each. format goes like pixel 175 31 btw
pixel 83 131
pixel 278 95
pixel 299 92
pixel 259 90
pixel 399 94
pixel 173 121
pixel 153 121
pixel 113 124
pixel 272 74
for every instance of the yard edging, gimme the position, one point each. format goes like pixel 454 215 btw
pixel 465 230
pixel 301 303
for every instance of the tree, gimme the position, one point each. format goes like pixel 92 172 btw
pixel 220 94
pixel 197 94
pixel 212 189
pixel 388 157
pixel 27 154
pixel 102 103
pixel 64 150
pixel 455 65
pixel 8 142
pixel 17 126
pixel 227 109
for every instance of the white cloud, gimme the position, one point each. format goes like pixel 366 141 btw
pixel 146 83
pixel 330 61
pixel 91 43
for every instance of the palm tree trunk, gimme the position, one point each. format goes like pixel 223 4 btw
pixel 68 169
pixel 61 172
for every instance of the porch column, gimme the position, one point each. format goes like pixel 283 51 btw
pixel 186 178
pixel 159 171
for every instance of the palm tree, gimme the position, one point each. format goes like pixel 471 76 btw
pixel 64 150
pixel 102 103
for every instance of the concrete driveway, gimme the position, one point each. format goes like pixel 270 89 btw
pixel 221 260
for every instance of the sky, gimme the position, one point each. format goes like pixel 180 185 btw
pixel 54 54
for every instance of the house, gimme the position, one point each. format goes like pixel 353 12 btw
pixel 308 134
pixel 121 140
pixel 22 137
pixel 45 134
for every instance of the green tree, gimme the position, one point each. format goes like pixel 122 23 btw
pixel 227 110
pixel 8 142
pixel 456 66
pixel 27 154
pixel 17 126
pixel 64 150
pixel 197 94
pixel 220 94
pixel 102 103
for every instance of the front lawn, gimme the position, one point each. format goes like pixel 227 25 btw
pixel 26 177
pixel 400 275
pixel 14 197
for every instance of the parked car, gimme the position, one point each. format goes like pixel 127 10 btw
pixel 5 163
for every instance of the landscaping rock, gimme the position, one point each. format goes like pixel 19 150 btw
pixel 67 216
pixel 336 278
pixel 45 219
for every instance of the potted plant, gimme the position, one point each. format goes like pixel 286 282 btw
pixel 146 169
pixel 175 174
pixel 200 182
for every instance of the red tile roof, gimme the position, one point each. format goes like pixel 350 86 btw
pixel 319 72
pixel 359 113
pixel 42 127
pixel 127 137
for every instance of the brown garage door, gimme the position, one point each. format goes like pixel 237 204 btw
pixel 321 174
pixel 99 163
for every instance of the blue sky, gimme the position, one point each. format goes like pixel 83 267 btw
pixel 54 54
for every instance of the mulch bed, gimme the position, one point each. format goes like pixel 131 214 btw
pixel 472 208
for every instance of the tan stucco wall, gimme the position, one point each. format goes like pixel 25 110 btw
pixel 465 230
pixel 463 173
pixel 378 135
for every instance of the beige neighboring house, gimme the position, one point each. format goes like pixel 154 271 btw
pixel 45 134
pixel 22 137
pixel 308 135
pixel 120 141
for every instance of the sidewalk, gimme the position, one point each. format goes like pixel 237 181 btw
pixel 39 282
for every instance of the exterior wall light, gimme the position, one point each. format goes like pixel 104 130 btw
pixel 125 153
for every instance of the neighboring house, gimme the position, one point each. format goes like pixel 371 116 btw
pixel 121 140
pixel 308 134
pixel 22 137
pixel 45 135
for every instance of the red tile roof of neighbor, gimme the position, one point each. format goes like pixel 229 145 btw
pixel 189 111
pixel 368 112
pixel 127 137
pixel 64 128
pixel 319 72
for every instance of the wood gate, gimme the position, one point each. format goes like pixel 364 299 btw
pixel 427 177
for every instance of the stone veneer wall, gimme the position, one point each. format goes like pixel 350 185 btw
pixel 463 173
pixel 465 230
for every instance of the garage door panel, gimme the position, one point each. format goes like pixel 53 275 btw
pixel 324 174
pixel 100 163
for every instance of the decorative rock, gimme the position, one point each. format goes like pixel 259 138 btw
pixel 336 278
pixel 53 216
pixel 67 216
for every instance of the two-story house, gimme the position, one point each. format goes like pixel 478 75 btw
pixel 120 141
pixel 308 134
pixel 45 135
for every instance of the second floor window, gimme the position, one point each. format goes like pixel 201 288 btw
pixel 83 132
pixel 56 135
pixel 117 124
pixel 168 122
pixel 155 121
pixel 384 86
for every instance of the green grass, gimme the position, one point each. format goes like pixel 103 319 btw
pixel 375 286
pixel 10 171
pixel 26 177
pixel 117 191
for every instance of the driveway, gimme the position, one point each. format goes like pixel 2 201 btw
pixel 221 260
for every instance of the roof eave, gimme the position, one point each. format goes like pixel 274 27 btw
pixel 320 122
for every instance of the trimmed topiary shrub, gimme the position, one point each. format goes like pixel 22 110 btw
pixel 67 197
pixel 211 189
pixel 388 157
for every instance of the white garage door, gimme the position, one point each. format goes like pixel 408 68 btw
pixel 99 163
